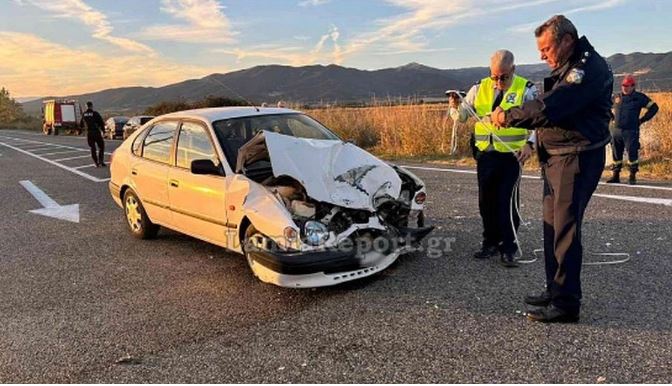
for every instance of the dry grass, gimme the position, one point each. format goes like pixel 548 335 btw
pixel 423 132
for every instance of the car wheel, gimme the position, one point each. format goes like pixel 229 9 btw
pixel 253 239
pixel 138 222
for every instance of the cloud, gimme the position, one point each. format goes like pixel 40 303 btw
pixel 312 3
pixel 204 21
pixel 596 6
pixel 296 56
pixel 74 71
pixel 79 10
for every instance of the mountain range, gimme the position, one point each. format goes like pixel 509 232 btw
pixel 333 84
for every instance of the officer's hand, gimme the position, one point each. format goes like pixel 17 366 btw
pixel 524 154
pixel 498 116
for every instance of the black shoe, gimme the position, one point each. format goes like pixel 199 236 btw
pixel 633 179
pixel 103 164
pixel 553 314
pixel 508 260
pixel 542 299
pixel 615 179
pixel 486 252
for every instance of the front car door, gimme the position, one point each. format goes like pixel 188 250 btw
pixel 149 171
pixel 198 202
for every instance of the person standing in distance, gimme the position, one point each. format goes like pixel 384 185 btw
pixel 625 132
pixel 95 126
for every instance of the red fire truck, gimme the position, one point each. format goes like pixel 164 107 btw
pixel 61 116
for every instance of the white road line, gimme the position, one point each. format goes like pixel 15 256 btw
pixel 72 170
pixel 43 147
pixel 39 195
pixel 84 166
pixel 651 187
pixel 646 200
pixel 63 152
pixel 69 158
pixel 53 144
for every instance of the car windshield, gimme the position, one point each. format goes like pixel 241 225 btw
pixel 296 125
pixel 235 132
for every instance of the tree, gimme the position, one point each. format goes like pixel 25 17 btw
pixel 10 110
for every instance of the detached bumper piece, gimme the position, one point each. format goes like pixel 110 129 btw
pixel 414 235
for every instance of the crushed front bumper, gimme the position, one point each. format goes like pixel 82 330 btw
pixel 328 267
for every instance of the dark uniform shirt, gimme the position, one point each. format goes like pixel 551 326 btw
pixel 628 107
pixel 575 109
pixel 92 121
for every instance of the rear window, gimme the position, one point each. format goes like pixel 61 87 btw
pixel 145 120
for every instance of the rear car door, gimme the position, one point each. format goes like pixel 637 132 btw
pixel 198 202
pixel 149 172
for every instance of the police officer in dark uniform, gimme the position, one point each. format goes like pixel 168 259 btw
pixel 95 126
pixel 572 117
pixel 625 130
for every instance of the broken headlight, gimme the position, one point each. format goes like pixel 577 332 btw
pixel 315 232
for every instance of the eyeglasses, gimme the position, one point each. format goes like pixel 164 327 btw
pixel 502 78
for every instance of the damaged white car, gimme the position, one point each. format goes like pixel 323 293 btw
pixel 305 208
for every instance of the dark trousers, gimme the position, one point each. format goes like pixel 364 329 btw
pixel 625 140
pixel 569 182
pixel 497 175
pixel 96 138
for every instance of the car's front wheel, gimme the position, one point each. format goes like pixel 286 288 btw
pixel 253 240
pixel 138 222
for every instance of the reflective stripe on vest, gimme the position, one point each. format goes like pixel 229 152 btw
pixel 514 137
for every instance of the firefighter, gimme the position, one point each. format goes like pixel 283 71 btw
pixel 625 130
pixel 498 167
pixel 95 127
pixel 572 120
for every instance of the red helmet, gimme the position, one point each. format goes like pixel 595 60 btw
pixel 628 80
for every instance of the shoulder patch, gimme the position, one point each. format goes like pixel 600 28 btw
pixel 529 84
pixel 575 76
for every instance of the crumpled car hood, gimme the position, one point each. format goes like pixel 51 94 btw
pixel 331 171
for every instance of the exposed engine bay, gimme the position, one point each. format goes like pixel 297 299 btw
pixel 363 199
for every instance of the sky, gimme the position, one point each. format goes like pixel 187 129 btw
pixel 61 47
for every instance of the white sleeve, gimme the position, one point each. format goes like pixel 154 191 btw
pixel 460 114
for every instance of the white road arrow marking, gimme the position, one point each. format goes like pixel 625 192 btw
pixel 51 207
pixel 646 200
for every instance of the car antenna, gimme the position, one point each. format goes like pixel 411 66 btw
pixel 233 91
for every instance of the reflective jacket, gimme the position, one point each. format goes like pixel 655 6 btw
pixel 514 138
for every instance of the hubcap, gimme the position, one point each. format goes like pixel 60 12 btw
pixel 133 214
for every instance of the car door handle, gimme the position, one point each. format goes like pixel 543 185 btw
pixel 174 183
pixel 134 172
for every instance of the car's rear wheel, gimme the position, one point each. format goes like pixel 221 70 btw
pixel 138 222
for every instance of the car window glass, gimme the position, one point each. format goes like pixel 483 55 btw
pixel 158 142
pixel 194 144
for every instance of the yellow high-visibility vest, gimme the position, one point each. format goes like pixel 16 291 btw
pixel 514 137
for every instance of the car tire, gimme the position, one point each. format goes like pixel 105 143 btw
pixel 248 243
pixel 138 222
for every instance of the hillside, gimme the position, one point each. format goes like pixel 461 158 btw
pixel 335 84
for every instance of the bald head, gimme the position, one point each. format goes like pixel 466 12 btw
pixel 502 68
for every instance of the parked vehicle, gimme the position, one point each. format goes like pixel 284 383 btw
pixel 305 208
pixel 61 116
pixel 134 124
pixel 114 127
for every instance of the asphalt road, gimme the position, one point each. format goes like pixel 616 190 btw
pixel 86 302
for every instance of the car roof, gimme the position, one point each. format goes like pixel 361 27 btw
pixel 217 113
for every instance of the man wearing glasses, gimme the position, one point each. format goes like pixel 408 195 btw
pixel 499 153
pixel 625 132
pixel 572 121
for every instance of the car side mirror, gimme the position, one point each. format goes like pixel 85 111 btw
pixel 206 166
